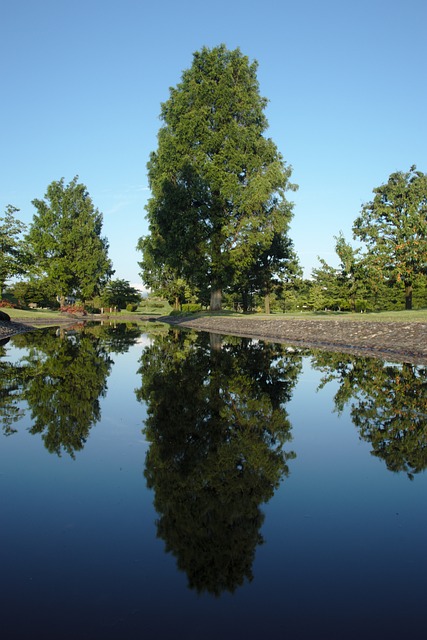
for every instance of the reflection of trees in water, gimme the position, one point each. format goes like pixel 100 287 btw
pixel 216 427
pixel 11 381
pixel 61 380
pixel 69 375
pixel 388 406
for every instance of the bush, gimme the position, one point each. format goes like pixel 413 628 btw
pixel 131 307
pixel 4 317
pixel 8 304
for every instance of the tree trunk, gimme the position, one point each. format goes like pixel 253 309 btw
pixel 408 296
pixel 176 305
pixel 267 303
pixel 216 299
pixel 245 301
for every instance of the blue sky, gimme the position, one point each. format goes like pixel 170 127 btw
pixel 82 84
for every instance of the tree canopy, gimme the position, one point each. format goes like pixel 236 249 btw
pixel 218 185
pixel 65 239
pixel 394 227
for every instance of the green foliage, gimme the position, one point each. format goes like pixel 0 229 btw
pixel 65 239
pixel 39 292
pixel 119 293
pixel 394 227
pixel 14 259
pixel 131 307
pixel 217 183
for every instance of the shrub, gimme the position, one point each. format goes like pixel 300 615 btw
pixel 131 306
pixel 5 317
pixel 8 304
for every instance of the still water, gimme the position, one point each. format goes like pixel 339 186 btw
pixel 171 484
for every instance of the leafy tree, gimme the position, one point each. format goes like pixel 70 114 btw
pixel 217 183
pixel 13 256
pixel 119 293
pixel 394 227
pixel 341 288
pixel 65 239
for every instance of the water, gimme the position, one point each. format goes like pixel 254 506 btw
pixel 175 484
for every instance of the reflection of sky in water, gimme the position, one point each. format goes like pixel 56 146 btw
pixel 344 537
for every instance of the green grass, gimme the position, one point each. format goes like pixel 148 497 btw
pixel 418 315
pixel 33 314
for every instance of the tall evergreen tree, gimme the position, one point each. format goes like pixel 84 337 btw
pixel 65 239
pixel 217 183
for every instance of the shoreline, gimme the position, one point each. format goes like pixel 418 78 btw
pixel 386 340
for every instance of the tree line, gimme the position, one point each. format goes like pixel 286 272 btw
pixel 219 218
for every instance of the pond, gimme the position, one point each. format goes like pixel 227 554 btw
pixel 158 482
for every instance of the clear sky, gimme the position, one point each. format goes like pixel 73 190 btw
pixel 82 84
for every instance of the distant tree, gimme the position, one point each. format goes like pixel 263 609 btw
pixel 394 227
pixel 13 256
pixel 65 239
pixel 217 183
pixel 119 293
pixel 38 291
pixel 277 264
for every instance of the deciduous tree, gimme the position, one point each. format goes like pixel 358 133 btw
pixel 394 227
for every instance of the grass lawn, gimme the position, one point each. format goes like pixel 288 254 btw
pixel 418 315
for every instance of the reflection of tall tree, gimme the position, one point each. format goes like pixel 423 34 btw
pixel 216 427
pixel 68 375
pixel 389 406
